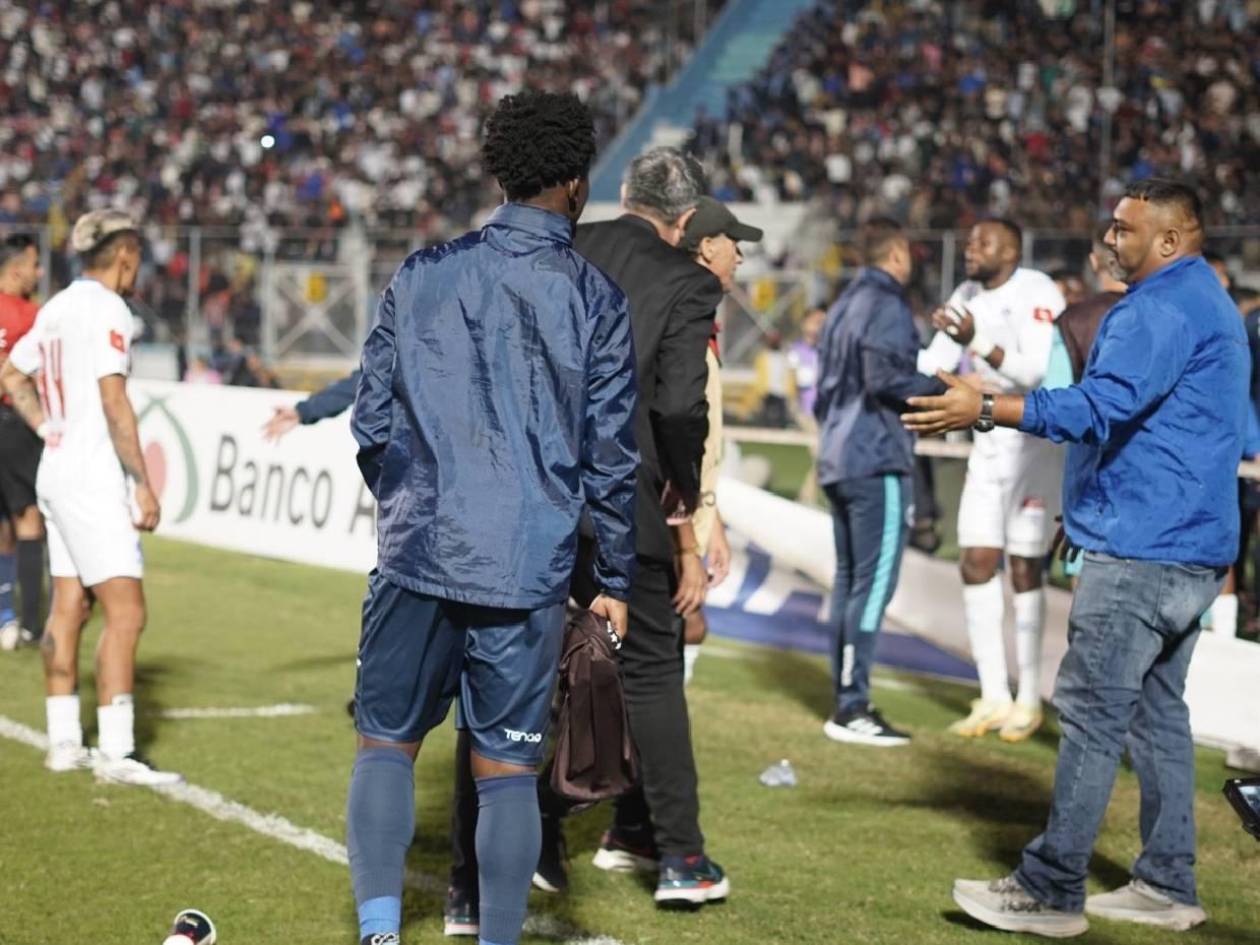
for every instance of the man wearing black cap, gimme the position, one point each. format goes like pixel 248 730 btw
pixel 712 239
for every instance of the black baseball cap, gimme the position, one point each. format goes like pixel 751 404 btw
pixel 713 218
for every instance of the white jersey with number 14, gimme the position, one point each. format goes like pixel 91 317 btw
pixel 82 334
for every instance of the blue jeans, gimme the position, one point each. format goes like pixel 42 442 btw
pixel 1130 638
pixel 870 517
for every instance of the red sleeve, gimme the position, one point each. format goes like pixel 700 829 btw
pixel 17 316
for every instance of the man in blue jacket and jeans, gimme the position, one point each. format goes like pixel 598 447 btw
pixel 865 458
pixel 497 399
pixel 1150 490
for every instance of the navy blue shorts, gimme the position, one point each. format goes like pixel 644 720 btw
pixel 417 652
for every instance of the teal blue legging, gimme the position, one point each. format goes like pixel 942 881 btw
pixel 871 518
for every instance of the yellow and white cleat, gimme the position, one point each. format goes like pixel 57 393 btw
pixel 985 717
pixel 1020 724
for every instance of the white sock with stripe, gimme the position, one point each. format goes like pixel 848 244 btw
pixel 984 609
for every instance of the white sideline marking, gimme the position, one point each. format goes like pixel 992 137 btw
pixel 728 653
pixel 234 712
pixel 280 828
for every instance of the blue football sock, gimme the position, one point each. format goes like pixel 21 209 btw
pixel 509 838
pixel 380 822
pixel 8 568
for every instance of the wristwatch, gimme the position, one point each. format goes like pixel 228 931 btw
pixel 985 423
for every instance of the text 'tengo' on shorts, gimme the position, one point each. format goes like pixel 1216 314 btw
pixel 417 652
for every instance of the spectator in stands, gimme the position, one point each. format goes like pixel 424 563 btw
pixel 803 356
pixel 200 372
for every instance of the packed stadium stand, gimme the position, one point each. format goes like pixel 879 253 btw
pixel 938 112
pixel 304 114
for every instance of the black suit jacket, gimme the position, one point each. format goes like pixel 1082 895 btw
pixel 672 304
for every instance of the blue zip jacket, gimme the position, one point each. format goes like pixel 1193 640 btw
pixel 1156 424
pixel 329 401
pixel 497 399
pixel 866 368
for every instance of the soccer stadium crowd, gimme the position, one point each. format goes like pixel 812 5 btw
pixel 222 112
pixel 940 113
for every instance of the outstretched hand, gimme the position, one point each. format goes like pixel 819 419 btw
pixel 282 421
pixel 957 409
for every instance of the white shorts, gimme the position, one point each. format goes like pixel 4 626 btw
pixel 1012 495
pixel 91 535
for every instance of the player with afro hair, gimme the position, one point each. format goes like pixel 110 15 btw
pixel 537 141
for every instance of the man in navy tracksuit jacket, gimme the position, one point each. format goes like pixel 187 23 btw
pixel 496 402
pixel 865 457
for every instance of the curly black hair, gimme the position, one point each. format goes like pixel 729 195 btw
pixel 536 140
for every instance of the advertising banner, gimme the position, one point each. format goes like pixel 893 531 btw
pixel 221 484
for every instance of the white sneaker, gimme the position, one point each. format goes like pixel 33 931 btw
pixel 1003 904
pixel 68 756
pixel 132 769
pixel 1144 904
pixel 10 636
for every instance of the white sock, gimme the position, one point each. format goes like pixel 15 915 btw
pixel 1030 620
pixel 63 720
pixel 984 608
pixel 691 652
pixel 1224 611
pixel 117 726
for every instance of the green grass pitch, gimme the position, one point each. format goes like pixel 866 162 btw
pixel 863 851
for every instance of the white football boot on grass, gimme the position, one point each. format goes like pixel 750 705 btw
pixel 132 769
pixel 68 756
pixel 1144 904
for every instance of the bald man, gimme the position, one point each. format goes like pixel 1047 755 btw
pixel 1156 431
pixel 1000 322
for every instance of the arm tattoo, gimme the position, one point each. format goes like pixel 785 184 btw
pixel 21 390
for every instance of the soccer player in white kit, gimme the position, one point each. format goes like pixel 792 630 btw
pixel 1002 320
pixel 78 353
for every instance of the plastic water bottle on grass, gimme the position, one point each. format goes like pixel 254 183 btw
pixel 779 775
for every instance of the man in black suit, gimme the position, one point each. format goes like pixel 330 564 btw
pixel 672 304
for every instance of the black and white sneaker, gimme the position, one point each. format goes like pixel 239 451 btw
pixel 864 727
pixel 381 938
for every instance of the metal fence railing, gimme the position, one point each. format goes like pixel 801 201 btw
pixel 307 296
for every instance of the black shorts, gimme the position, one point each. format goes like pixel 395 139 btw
pixel 20 450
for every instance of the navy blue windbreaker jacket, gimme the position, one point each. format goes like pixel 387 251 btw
pixel 1156 424
pixel 329 401
pixel 866 370
pixel 497 399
